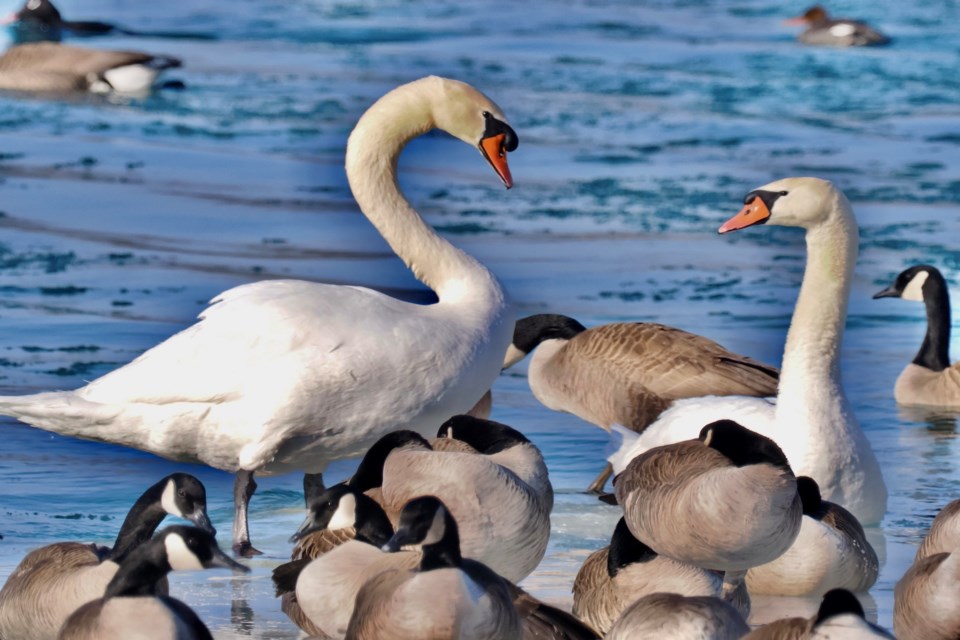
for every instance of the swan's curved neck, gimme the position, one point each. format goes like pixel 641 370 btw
pixel 372 153
pixel 934 353
pixel 810 375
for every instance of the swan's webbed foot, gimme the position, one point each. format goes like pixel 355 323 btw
pixel 601 480
pixel 243 488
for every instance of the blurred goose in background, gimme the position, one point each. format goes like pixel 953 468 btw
pixel 812 420
pixel 925 599
pixel 49 67
pixel 446 596
pixel 627 373
pixel 840 616
pixel 660 616
pixel 39 20
pixel 613 578
pixel 132 606
pixel 284 375
pixel 725 501
pixel 822 30
pixel 944 533
pixel 500 496
pixel 53 581
pixel 930 379
pixel 831 551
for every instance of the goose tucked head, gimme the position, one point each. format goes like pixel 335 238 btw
pixel 369 473
pixel 790 202
pixel 426 524
pixel 341 507
pixel 810 497
pixel 838 602
pixel 185 497
pixel 626 549
pixel 912 283
pixel 532 330
pixel 472 117
pixel 742 446
pixel 39 12
pixel 486 436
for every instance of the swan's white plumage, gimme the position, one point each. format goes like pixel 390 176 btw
pixel 285 375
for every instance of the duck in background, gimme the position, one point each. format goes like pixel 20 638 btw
pixel 40 20
pixel 133 605
pixel 930 380
pixel 822 30
pixel 627 373
pixel 53 581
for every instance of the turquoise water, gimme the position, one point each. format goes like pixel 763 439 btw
pixel 641 126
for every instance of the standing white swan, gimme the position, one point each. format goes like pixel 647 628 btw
pixel 285 375
pixel 811 421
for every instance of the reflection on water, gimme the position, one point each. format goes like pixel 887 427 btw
pixel 940 421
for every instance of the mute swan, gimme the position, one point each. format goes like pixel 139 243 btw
pixel 627 373
pixel 51 582
pixel 447 597
pixel 131 607
pixel 670 615
pixel 286 374
pixel 823 30
pixel 930 379
pixel 840 616
pixel 811 420
pixel 53 67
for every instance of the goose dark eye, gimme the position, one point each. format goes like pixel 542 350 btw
pixel 783 193
pixel 181 493
pixel 487 114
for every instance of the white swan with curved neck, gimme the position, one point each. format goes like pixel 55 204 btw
pixel 286 374
pixel 811 420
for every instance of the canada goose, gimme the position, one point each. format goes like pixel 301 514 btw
pixel 930 379
pixel 280 375
pixel 132 607
pixel 840 616
pixel 60 68
pixel 659 616
pixel 627 373
pixel 831 551
pixel 446 597
pixel 501 496
pixel 614 577
pixel 925 599
pixel 822 30
pixel 944 533
pixel 53 581
pixel 812 420
pixel 681 499
pixel 329 585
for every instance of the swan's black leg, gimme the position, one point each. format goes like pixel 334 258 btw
pixel 243 488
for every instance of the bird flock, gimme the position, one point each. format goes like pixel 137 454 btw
pixel 733 478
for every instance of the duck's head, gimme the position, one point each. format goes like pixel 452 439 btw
pixel 814 15
pixel 189 548
pixel 790 202
pixel 911 283
pixel 184 496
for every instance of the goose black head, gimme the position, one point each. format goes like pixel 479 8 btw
pixel 742 446
pixel 486 436
pixel 184 496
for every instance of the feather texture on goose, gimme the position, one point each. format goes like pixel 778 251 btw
pixel 944 533
pixel 669 615
pixel 925 599
pixel 840 616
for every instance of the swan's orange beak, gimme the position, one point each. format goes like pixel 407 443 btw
pixel 494 150
pixel 753 212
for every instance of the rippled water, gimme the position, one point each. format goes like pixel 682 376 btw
pixel 641 129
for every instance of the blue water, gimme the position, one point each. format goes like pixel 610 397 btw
pixel 641 129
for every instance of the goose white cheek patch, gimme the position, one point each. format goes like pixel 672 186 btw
pixel 169 500
pixel 179 556
pixel 914 289
pixel 436 531
pixel 346 513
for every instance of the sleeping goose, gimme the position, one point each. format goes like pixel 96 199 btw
pixel 662 616
pixel 445 597
pixel 831 551
pixel 614 577
pixel 285 375
pixel 627 373
pixel 812 420
pixel 944 533
pixel 500 496
pixel 925 599
pixel 823 30
pixel 840 616
pixel 132 606
pixel 51 582
pixel 683 499
pixel 930 379
pixel 49 67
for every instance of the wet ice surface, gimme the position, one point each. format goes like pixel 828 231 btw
pixel 641 130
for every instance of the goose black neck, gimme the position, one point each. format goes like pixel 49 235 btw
pixel 625 549
pixel 369 473
pixel 486 436
pixel 531 331
pixel 444 554
pixel 934 353
pixel 142 520
pixel 372 526
pixel 140 572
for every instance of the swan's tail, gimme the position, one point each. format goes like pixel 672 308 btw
pixel 619 447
